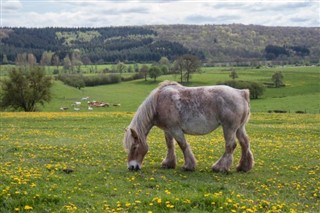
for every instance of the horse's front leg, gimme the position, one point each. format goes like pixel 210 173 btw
pixel 189 159
pixel 170 161
pixel 225 162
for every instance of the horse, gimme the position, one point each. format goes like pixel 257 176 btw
pixel 179 110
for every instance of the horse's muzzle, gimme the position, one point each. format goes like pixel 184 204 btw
pixel 134 166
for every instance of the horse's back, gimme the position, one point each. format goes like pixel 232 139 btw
pixel 199 110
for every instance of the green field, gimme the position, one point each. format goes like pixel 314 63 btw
pixel 36 147
pixel 302 91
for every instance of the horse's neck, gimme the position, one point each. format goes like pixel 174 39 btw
pixel 142 124
pixel 143 120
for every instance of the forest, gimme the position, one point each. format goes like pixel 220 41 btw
pixel 236 43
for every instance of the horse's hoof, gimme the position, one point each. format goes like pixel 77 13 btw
pixel 168 165
pixel 187 169
pixel 242 169
pixel 222 170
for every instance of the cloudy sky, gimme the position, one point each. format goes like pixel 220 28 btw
pixel 102 13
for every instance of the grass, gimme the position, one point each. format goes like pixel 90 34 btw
pixel 36 147
pixel 302 91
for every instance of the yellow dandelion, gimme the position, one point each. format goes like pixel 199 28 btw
pixel 27 207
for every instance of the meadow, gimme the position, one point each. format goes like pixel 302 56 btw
pixel 36 148
pixel 301 93
pixel 53 161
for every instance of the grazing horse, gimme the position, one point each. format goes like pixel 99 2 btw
pixel 179 110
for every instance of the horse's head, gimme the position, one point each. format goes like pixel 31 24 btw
pixel 136 149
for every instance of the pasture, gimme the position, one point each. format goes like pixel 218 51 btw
pixel 37 148
pixel 302 91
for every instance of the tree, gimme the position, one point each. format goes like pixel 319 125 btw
pixel 121 67
pixel 233 74
pixel 55 61
pixel 130 68
pixel 21 59
pixel 154 72
pixel 179 67
pixel 76 59
pixel 46 58
pixel 277 79
pixel 24 90
pixel 165 65
pixel 144 70
pixel 31 59
pixel 186 65
pixel 86 60
pixel 5 59
pixel 67 63
pixel 136 67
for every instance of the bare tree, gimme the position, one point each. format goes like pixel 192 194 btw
pixel 186 65
pixel 144 70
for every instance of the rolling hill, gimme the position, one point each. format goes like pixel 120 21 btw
pixel 211 43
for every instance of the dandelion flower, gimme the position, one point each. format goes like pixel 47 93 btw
pixel 27 207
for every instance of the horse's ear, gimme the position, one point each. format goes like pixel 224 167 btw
pixel 134 133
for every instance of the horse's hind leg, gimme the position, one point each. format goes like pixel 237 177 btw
pixel 225 162
pixel 170 161
pixel 246 161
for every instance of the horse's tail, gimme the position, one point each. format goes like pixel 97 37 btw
pixel 246 95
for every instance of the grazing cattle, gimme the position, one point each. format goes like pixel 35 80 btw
pixel 179 110
pixel 85 98
pixel 98 104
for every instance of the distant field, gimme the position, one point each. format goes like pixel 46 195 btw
pixel 36 147
pixel 302 92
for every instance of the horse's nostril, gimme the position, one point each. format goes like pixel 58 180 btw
pixel 137 168
pixel 131 167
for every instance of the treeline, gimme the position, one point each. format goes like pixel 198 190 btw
pixel 98 45
pixel 274 52
pixel 235 44
pixel 79 81
pixel 240 44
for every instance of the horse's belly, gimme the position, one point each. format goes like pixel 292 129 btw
pixel 199 125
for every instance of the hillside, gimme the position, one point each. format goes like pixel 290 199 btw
pixel 212 43
pixel 241 42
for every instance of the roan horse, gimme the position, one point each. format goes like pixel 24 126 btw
pixel 179 110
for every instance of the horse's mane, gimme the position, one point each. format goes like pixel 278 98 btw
pixel 142 121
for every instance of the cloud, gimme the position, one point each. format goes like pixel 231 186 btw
pixel 222 19
pixel 99 13
pixel 11 5
pixel 194 19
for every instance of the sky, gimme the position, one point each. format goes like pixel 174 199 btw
pixel 105 13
